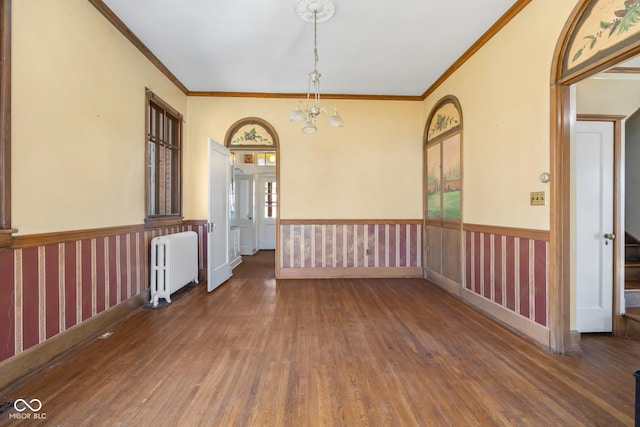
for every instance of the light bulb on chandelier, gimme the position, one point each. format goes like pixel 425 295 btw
pixel 314 11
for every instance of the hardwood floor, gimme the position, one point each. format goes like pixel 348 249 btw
pixel 384 352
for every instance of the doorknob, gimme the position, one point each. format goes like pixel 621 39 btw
pixel 609 236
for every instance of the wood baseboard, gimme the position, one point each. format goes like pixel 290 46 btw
pixel 37 356
pixel 632 326
pixel 354 272
pixel 445 283
pixel 523 326
pixel 514 321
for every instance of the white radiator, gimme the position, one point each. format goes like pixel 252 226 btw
pixel 174 264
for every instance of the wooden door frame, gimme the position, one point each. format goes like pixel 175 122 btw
pixel 561 338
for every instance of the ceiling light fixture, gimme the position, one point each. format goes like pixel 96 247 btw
pixel 314 11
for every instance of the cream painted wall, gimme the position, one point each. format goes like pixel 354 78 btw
pixel 369 169
pixel 78 111
pixel 504 92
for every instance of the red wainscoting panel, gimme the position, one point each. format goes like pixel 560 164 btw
pixel 113 278
pixel 498 277
pixel 487 283
pixel 540 281
pixel 468 244
pixel 476 266
pixel 525 276
pixel 28 304
pixel 510 280
pixel 350 245
pixel 7 305
pixel 100 270
pixel 87 286
pixel 70 285
pixel 123 266
pixel 46 289
pixel 53 295
pixel 511 271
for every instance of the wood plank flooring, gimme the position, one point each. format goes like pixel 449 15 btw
pixel 356 352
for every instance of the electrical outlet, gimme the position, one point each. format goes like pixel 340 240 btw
pixel 537 198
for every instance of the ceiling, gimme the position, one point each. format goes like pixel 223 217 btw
pixel 369 47
pixel 611 92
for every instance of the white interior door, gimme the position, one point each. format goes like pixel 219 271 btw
pixel 246 215
pixel 594 222
pixel 267 205
pixel 218 267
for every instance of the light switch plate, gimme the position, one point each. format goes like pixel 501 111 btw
pixel 537 198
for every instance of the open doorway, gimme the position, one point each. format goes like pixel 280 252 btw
pixel 574 68
pixel 254 199
pixel 254 192
pixel 608 100
pixel 617 89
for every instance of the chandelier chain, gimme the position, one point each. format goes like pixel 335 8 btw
pixel 315 40
pixel 323 10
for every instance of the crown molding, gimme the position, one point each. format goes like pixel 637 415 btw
pixel 304 95
pixel 488 35
pixel 129 35
pixel 492 31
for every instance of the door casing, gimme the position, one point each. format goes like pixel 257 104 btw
pixel 588 320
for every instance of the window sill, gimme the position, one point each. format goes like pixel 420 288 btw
pixel 164 221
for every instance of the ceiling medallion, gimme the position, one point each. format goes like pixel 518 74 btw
pixel 322 9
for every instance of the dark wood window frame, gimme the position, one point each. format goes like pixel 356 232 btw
pixel 168 141
pixel 5 124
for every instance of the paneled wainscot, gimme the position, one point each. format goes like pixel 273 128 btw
pixel 350 248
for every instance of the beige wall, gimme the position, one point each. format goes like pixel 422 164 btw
pixel 78 107
pixel 504 92
pixel 369 169
pixel 505 98
pixel 78 120
pixel 78 130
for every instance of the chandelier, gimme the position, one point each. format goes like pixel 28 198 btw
pixel 314 11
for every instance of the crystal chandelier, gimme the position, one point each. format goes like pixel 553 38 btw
pixel 314 11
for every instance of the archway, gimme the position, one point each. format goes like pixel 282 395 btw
pixel 596 37
pixel 254 192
